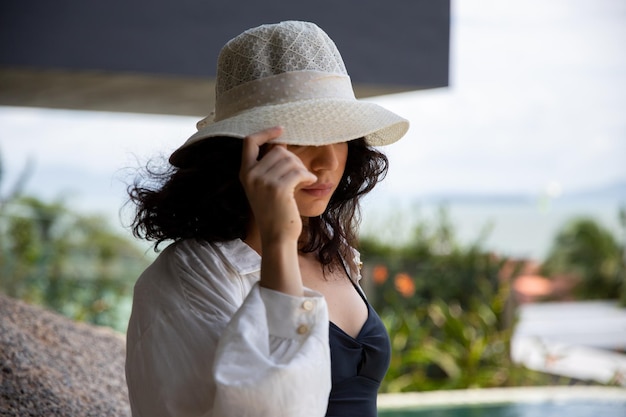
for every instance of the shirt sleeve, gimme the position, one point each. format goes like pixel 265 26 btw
pixel 264 355
pixel 279 367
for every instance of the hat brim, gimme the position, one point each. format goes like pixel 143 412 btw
pixel 308 123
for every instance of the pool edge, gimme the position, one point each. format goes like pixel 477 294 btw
pixel 499 396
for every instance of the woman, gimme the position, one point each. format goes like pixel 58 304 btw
pixel 255 309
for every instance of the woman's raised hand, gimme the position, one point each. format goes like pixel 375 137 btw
pixel 270 183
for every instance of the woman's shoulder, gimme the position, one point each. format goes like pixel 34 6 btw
pixel 197 261
pixel 200 274
pixel 193 257
pixel 235 255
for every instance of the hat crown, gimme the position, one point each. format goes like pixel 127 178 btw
pixel 274 49
pixel 290 74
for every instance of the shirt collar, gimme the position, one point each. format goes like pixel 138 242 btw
pixel 243 259
pixel 240 257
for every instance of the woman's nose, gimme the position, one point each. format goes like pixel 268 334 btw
pixel 324 158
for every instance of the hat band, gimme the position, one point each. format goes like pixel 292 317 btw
pixel 283 88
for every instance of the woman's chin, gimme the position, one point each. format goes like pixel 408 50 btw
pixel 313 210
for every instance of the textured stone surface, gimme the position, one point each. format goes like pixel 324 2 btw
pixel 52 366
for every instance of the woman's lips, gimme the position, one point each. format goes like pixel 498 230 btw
pixel 319 190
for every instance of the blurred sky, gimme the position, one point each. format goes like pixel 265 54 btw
pixel 537 100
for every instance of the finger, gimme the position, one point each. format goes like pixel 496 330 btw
pixel 272 154
pixel 293 174
pixel 278 169
pixel 286 167
pixel 306 177
pixel 287 161
pixel 299 179
pixel 252 144
pixel 277 162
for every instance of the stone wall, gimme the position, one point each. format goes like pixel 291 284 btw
pixel 52 366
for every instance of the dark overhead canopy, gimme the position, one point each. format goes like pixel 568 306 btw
pixel 391 45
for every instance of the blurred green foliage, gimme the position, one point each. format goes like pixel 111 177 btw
pixel 72 263
pixel 447 309
pixel 69 262
pixel 593 256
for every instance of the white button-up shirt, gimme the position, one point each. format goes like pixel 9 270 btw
pixel 204 339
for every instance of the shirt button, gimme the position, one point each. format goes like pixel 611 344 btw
pixel 303 329
pixel 307 305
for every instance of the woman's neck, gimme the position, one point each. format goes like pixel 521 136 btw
pixel 253 239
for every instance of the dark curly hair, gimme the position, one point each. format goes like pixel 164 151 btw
pixel 204 199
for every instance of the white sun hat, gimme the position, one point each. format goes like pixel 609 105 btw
pixel 290 74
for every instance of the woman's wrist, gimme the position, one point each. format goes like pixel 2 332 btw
pixel 280 270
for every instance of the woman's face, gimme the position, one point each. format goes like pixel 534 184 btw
pixel 327 162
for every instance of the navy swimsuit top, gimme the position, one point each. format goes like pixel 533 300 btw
pixel 358 366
